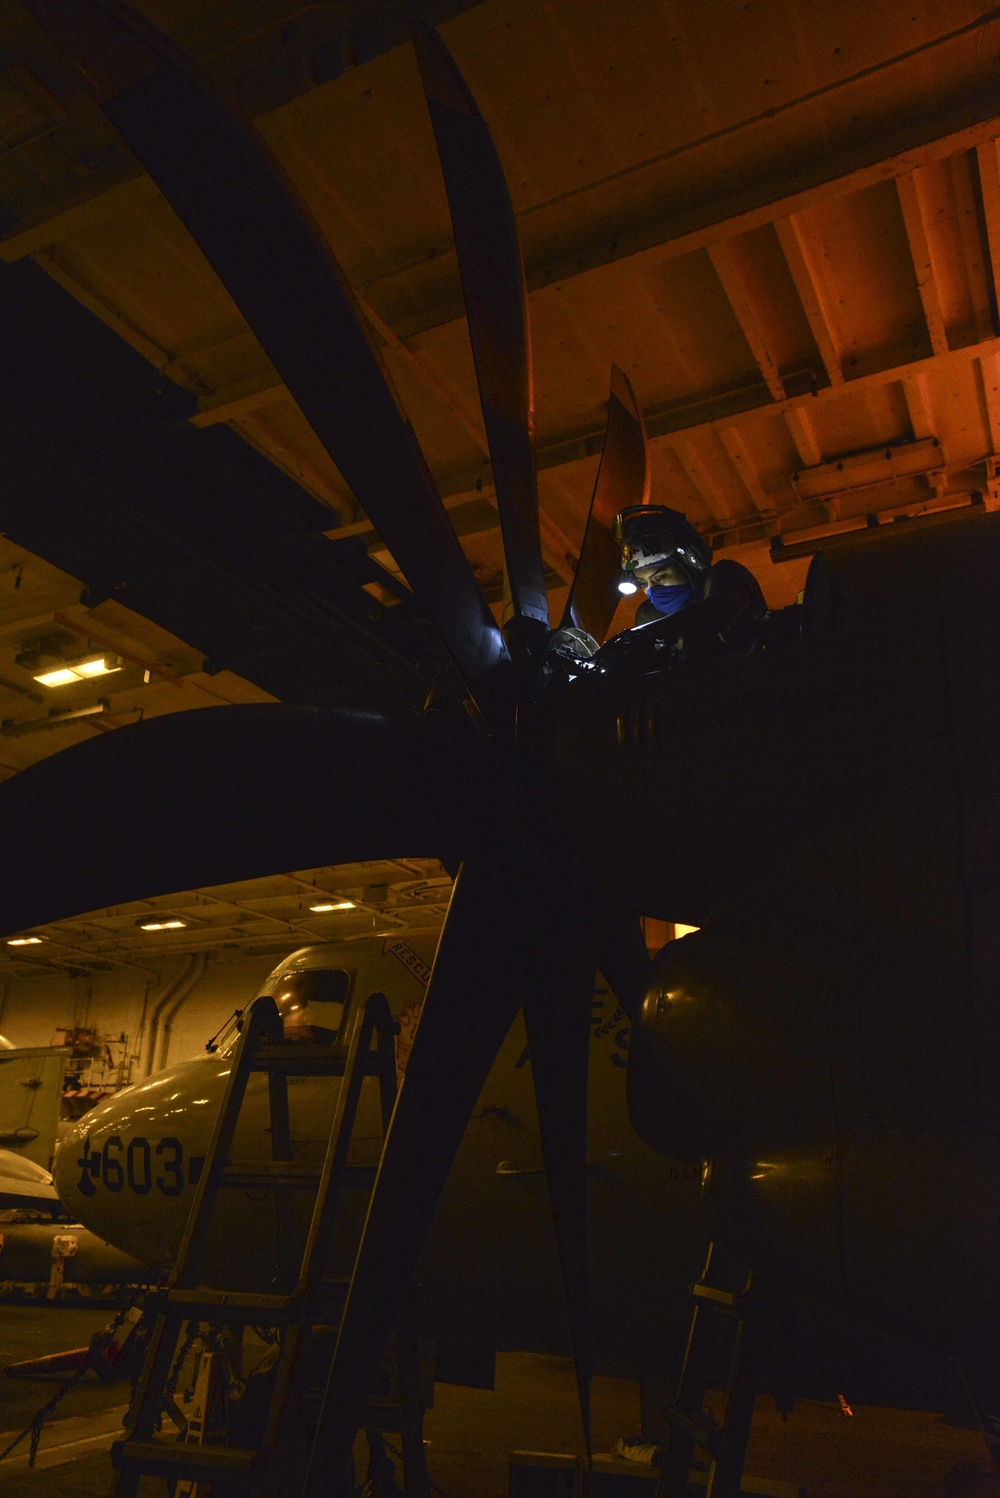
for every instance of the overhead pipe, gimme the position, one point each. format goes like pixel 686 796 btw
pixel 154 987
pixel 179 997
pixel 162 1001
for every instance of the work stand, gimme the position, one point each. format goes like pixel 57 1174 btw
pixel 266 1450
pixel 705 1455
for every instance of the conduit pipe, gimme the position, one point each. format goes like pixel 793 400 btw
pixel 162 1000
pixel 180 996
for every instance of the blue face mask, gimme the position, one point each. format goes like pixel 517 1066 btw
pixel 669 598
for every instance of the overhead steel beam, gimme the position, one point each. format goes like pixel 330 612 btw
pixel 917 405
pixel 708 222
pixel 989 373
pixel 988 166
pixel 729 414
pixel 808 277
pixel 668 224
pixel 233 404
pixel 678 226
pixel 908 190
pixel 288 456
pixel 803 435
pixel 708 219
pixel 713 220
pixel 263 62
pixel 742 460
pixel 728 270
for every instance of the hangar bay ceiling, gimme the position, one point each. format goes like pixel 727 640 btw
pixel 252 918
pixel 781 220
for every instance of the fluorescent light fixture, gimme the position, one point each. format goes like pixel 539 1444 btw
pixel 170 924
pixel 25 941
pixel 82 670
pixel 627 586
pixel 327 905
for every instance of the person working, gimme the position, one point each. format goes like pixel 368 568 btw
pixel 715 609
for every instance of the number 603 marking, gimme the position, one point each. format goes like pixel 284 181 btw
pixel 138 1167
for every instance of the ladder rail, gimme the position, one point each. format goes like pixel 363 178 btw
pixel 308 1303
pixel 281 1150
pixel 718 1300
pixel 376 1020
pixel 262 1020
pixel 144 1414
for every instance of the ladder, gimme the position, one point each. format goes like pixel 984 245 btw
pixel 308 1309
pixel 720 1338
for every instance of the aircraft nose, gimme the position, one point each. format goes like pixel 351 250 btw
pixel 127 1168
pixel 73 1172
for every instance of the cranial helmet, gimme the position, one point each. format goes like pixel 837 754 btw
pixel 648 534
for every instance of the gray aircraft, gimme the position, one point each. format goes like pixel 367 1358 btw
pixel 489 1275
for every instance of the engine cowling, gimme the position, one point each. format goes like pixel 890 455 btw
pixel 729 1055
pixel 729 1064
pixel 827 810
pixel 817 1058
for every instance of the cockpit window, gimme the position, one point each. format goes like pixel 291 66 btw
pixel 312 1003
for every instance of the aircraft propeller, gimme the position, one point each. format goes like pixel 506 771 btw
pixel 490 265
pixel 622 479
pixel 222 179
pixel 227 187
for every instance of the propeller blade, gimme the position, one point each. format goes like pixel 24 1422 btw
pixel 622 479
pixel 624 960
pixel 201 798
pixel 557 1011
pixel 219 174
pixel 489 261
pixel 468 1010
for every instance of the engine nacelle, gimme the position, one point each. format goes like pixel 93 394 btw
pixel 827 811
pixel 729 1056
pixel 833 1100
pixel 729 1064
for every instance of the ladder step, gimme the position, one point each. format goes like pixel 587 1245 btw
pixel 230 1305
pixel 287 1175
pixel 309 1060
pixel 173 1459
pixel 239 1307
pixel 720 1300
pixel 281 1175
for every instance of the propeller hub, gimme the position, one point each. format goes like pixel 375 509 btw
pixel 525 637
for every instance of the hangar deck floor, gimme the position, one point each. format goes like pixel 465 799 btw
pixel 876 1454
pixel 33 1332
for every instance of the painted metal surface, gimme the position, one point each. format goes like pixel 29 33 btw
pixel 490 1273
